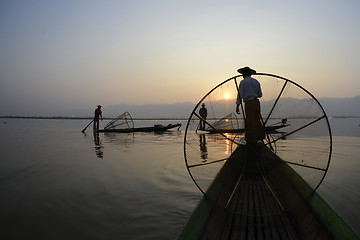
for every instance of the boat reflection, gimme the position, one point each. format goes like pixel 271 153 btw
pixel 203 148
pixel 98 145
pixel 123 141
pixel 228 144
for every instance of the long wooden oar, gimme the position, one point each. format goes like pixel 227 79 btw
pixel 87 126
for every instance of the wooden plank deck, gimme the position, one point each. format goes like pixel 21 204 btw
pixel 251 208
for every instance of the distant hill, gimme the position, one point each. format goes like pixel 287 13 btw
pixel 341 107
pixel 334 107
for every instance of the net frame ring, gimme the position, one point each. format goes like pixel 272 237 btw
pixel 199 169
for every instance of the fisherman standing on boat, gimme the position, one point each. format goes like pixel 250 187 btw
pixel 203 115
pixel 249 92
pixel 98 115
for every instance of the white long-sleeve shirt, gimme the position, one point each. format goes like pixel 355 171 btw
pixel 249 89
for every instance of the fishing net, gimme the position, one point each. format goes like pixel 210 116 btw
pixel 297 132
pixel 123 121
pixel 227 123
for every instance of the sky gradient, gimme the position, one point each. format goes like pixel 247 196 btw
pixel 60 55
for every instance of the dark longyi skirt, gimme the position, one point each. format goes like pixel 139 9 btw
pixel 254 129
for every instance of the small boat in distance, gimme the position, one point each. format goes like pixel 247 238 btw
pixel 230 124
pixel 125 124
pixel 270 129
pixel 155 128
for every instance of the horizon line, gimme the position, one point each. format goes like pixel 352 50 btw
pixel 139 118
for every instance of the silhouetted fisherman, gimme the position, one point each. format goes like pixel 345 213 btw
pixel 98 115
pixel 249 92
pixel 203 115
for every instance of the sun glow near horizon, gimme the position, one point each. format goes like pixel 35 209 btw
pixel 128 53
pixel 227 96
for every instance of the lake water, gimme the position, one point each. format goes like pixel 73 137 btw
pixel 59 183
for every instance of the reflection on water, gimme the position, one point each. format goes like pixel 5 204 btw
pixel 53 185
pixel 98 147
pixel 121 141
pixel 223 145
pixel 203 148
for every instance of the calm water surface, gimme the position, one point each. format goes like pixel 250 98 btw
pixel 58 183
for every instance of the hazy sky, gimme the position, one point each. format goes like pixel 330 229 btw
pixel 58 55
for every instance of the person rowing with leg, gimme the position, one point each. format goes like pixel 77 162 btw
pixel 97 117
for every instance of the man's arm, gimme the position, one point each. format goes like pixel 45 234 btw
pixel 237 108
pixel 238 102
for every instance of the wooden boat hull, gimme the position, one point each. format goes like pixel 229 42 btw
pixel 269 129
pixel 241 204
pixel 143 129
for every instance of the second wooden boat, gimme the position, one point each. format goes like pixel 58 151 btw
pixel 125 124
pixel 155 128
